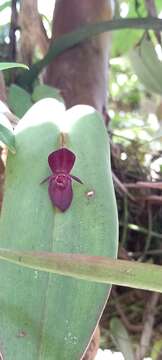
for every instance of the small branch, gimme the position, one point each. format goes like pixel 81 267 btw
pixel 144 185
pixel 156 252
pixel 142 230
pixel 127 324
pixel 149 235
pixel 149 318
pixel 152 199
pixel 122 187
pixel 125 223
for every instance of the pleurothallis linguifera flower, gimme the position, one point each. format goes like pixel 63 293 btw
pixel 60 188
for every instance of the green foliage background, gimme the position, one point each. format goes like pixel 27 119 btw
pixel 136 131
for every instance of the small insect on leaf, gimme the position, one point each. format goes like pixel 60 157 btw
pixel 60 189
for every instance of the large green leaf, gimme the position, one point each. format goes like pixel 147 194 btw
pixel 147 66
pixel 46 316
pixel 9 65
pixel 5 5
pixel 158 5
pixel 156 349
pixel 99 269
pixel 123 41
pixel 7 137
pixel 121 338
pixel 19 100
pixel 119 45
pixel 44 91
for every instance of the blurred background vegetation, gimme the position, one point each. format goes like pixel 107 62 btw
pixel 132 322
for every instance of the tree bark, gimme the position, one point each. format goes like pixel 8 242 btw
pixel 13 28
pixel 33 36
pixel 81 72
pixel 3 95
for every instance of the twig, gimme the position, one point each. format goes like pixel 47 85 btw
pixel 125 222
pixel 128 325
pixel 122 186
pixel 142 230
pixel 156 252
pixel 152 199
pixel 149 318
pixel 149 235
pixel 144 185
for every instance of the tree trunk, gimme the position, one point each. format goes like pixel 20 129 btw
pixel 81 73
pixel 33 36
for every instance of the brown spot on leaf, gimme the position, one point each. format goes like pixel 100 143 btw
pixel 21 334
pixel 90 194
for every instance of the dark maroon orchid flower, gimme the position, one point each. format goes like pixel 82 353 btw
pixel 60 189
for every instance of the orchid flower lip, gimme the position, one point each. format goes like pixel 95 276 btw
pixel 60 193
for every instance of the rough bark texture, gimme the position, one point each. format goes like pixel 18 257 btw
pixel 33 36
pixel 12 34
pixel 3 95
pixel 81 72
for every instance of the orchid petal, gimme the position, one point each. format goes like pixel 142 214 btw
pixel 76 179
pixel 46 179
pixel 61 160
pixel 61 197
